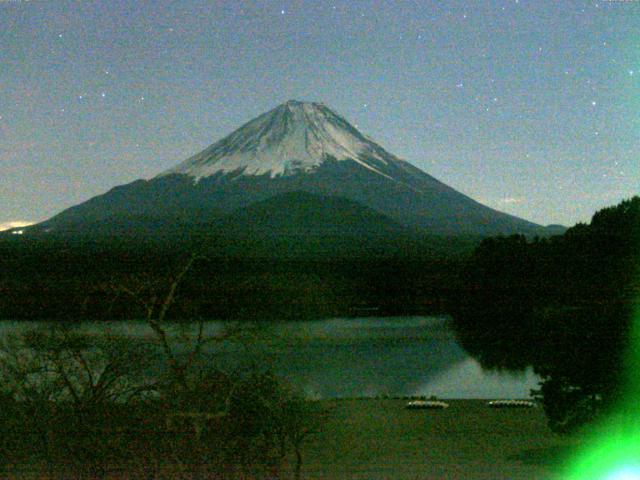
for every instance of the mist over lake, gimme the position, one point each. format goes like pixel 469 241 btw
pixel 343 357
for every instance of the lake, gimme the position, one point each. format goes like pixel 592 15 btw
pixel 352 357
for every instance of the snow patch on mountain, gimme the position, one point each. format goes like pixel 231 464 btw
pixel 295 137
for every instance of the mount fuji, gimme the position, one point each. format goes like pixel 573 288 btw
pixel 301 158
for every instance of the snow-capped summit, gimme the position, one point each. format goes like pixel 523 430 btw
pixel 292 138
pixel 297 153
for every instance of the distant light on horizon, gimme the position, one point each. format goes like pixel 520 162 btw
pixel 14 224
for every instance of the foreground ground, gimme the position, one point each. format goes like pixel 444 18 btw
pixel 380 439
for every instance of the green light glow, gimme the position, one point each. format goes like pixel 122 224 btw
pixel 614 455
pixel 613 447
pixel 631 473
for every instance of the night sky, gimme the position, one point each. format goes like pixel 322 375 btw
pixel 529 106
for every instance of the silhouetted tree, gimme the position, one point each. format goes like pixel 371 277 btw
pixel 228 424
pixel 61 389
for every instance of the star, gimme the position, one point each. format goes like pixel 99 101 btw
pixel 631 72
pixel 594 103
pixel 103 94
pixel 282 12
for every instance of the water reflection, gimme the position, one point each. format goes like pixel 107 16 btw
pixel 351 357
pixel 467 380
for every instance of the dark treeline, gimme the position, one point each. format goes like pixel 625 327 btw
pixel 563 305
pixel 83 278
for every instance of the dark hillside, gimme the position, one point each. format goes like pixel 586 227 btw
pixel 564 305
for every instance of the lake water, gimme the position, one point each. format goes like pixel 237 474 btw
pixel 353 357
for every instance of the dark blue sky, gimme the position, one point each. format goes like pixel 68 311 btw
pixel 529 106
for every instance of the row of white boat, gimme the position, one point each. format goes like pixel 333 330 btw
pixel 438 404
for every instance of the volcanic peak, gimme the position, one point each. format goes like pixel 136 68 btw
pixel 295 137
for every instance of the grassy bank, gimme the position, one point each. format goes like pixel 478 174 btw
pixel 380 439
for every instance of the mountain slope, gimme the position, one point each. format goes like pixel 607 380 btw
pixel 301 147
pixel 302 213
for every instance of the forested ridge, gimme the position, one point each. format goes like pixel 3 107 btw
pixel 250 277
pixel 563 305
